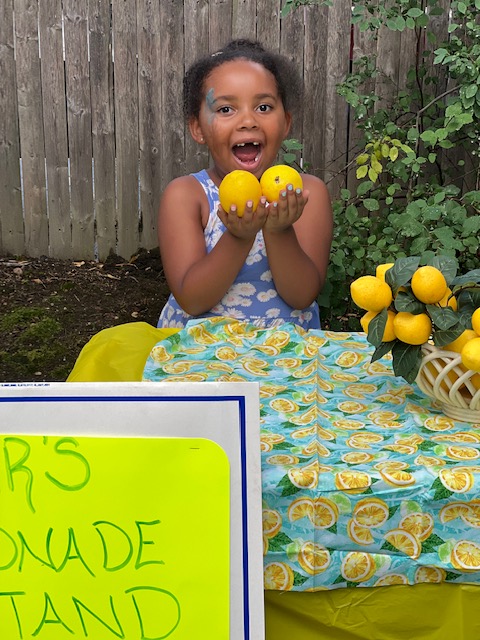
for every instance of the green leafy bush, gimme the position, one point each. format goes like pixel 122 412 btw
pixel 417 174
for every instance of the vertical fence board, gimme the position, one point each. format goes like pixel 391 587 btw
pixel 103 132
pixel 12 233
pixel 149 38
pixel 55 127
pixel 336 122
pixel 315 72
pixel 220 23
pixel 195 45
pixel 79 117
pixel 292 46
pixel 268 24
pixel 30 115
pixel 172 56
pixel 126 124
pixel 244 19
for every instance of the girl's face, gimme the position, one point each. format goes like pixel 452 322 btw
pixel 242 119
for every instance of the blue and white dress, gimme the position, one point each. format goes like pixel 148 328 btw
pixel 252 297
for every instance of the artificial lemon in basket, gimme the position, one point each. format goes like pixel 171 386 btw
pixel 429 318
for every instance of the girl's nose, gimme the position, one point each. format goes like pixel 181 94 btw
pixel 248 120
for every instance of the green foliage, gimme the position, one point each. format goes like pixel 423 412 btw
pixel 291 5
pixel 416 186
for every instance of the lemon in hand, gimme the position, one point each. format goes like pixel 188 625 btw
pixel 429 284
pixel 237 188
pixel 276 179
pixel 371 293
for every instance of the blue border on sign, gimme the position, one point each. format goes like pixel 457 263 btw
pixel 243 457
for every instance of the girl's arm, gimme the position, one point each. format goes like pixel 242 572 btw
pixel 298 237
pixel 198 279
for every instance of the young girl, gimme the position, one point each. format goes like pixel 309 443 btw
pixel 268 266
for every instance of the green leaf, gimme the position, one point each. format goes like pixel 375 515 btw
pixel 406 360
pixel 441 492
pixel 372 174
pixel 406 301
pixel 362 172
pixel 447 265
pixel 381 350
pixel 371 204
pixel 279 542
pixel 376 328
pixel 364 187
pixel 469 277
pixel 443 317
pixel 442 338
pixel 298 579
pixel 402 271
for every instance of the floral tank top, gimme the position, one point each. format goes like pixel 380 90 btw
pixel 252 297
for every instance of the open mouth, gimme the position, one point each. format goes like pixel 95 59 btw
pixel 248 153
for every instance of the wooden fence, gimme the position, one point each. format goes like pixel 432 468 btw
pixel 91 126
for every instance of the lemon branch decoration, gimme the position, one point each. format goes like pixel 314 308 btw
pixel 408 305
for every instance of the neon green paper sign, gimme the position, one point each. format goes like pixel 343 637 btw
pixel 113 538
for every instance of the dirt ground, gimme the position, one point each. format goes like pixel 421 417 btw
pixel 50 308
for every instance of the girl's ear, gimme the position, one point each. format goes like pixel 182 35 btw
pixel 196 130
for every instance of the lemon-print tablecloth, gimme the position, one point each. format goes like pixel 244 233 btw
pixel 364 482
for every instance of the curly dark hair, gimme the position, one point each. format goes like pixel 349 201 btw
pixel 289 82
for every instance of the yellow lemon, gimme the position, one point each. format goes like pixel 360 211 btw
pixel 324 514
pixel 300 508
pixel 453 510
pixel 160 354
pixel 458 344
pixel 388 332
pixel 382 269
pixel 418 523
pixel 390 579
pixel 357 457
pixel 466 556
pixel 283 459
pixel 430 573
pixel 476 321
pixel 429 284
pixel 457 452
pixel 313 558
pixel 303 478
pixel 284 405
pixel 449 300
pixel 357 566
pixel 359 534
pixel 278 576
pixel 371 293
pixel 272 522
pixel 456 480
pixel 404 541
pixel 412 329
pixel 471 354
pixel 397 477
pixel 348 359
pixel 276 179
pixel 370 512
pixel 352 481
pixel 237 188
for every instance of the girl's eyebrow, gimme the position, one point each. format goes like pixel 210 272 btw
pixel 231 98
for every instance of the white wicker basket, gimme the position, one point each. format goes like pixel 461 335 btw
pixel 443 377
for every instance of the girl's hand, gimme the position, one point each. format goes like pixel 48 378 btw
pixel 247 226
pixel 287 210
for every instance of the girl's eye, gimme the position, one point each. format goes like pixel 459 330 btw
pixel 264 107
pixel 225 110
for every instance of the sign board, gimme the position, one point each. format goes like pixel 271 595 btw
pixel 130 510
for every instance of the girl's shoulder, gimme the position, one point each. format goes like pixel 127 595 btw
pixel 185 196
